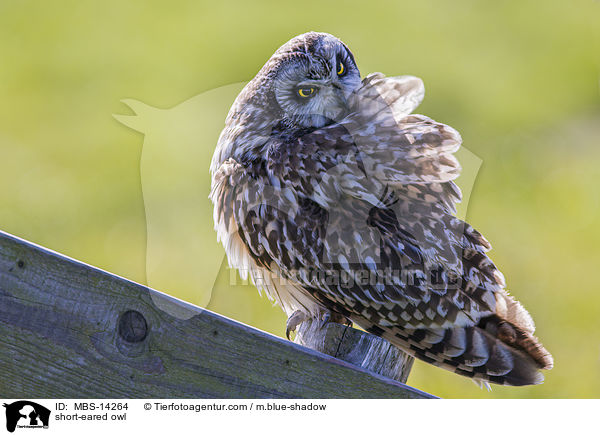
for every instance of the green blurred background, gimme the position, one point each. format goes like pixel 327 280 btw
pixel 518 79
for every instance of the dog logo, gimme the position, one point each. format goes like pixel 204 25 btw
pixel 26 414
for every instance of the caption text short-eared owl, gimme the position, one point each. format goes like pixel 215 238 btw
pixel 340 204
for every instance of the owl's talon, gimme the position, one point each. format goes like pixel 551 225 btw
pixel 333 317
pixel 294 321
pixel 325 320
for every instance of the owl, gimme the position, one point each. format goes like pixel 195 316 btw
pixel 340 205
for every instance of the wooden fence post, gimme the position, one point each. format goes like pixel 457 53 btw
pixel 356 347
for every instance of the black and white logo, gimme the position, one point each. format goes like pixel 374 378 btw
pixel 26 414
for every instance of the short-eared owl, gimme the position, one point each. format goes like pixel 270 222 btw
pixel 339 203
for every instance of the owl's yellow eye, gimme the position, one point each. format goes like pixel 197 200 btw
pixel 341 69
pixel 306 92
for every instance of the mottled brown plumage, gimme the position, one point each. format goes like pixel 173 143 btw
pixel 342 202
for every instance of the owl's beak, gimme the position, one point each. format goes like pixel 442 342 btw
pixel 338 104
pixel 340 95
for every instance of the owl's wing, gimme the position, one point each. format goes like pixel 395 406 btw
pixel 402 148
pixel 386 202
pixel 470 326
pixel 401 94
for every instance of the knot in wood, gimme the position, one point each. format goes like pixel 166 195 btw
pixel 133 327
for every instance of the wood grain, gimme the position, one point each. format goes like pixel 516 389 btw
pixel 356 347
pixel 69 330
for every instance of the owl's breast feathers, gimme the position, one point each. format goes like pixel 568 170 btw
pixel 357 218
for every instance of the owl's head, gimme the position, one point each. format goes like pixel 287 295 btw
pixel 315 75
pixel 311 78
pixel 305 84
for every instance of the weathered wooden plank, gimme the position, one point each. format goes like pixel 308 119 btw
pixel 70 330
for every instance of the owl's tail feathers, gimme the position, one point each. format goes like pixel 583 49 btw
pixel 493 351
pixel 513 325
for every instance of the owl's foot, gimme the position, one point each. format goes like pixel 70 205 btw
pixel 294 321
pixel 298 317
pixel 333 317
